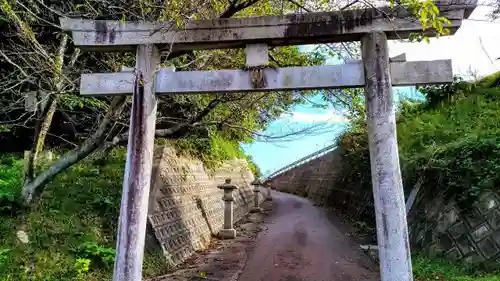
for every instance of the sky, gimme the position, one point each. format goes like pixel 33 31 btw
pixel 473 50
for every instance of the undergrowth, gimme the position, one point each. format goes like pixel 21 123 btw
pixel 435 269
pixel 70 234
pixel 450 144
pixel 10 180
pixel 213 150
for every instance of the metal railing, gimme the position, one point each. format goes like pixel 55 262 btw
pixel 302 160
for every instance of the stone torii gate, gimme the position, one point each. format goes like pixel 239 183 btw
pixel 376 73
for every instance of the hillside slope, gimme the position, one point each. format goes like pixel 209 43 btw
pixel 448 145
pixel 70 235
pixel 449 141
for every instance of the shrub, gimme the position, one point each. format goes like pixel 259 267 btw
pixel 100 255
pixel 450 144
pixel 10 182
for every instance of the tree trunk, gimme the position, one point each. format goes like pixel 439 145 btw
pixel 41 130
pixel 32 190
pixel 47 109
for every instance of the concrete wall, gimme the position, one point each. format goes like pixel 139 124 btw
pixel 312 179
pixel 437 225
pixel 316 180
pixel 186 207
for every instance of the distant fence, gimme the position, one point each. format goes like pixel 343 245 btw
pixel 302 160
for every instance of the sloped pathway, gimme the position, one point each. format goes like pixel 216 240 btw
pixel 300 243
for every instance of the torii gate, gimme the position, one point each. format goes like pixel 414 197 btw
pixel 376 73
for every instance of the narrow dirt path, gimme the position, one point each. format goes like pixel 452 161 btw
pixel 301 244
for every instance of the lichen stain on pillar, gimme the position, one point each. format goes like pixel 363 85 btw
pixel 378 100
pixel 103 33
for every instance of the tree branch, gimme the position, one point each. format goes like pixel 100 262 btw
pixel 121 139
pixel 34 189
pixel 47 113
pixel 235 7
pixel 230 11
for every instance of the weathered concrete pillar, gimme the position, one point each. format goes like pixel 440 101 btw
pixel 392 229
pixel 138 167
pixel 256 190
pixel 228 232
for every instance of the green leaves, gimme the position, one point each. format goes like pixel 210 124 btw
pixel 10 182
pixel 82 266
pixel 4 256
pixel 428 14
pixel 450 143
pixel 104 256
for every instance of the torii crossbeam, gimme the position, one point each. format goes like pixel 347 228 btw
pixel 290 78
pixel 293 29
pixel 376 73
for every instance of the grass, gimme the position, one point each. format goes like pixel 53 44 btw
pixel 72 231
pixel 426 269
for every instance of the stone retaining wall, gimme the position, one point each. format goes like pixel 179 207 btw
pixel 470 234
pixel 186 207
pixel 313 179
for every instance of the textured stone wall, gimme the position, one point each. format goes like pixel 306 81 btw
pixel 468 233
pixel 186 207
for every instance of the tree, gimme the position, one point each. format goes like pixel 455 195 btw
pixel 36 58
pixel 53 65
pixel 495 12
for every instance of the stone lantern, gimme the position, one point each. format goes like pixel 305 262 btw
pixel 228 232
pixel 268 191
pixel 256 189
